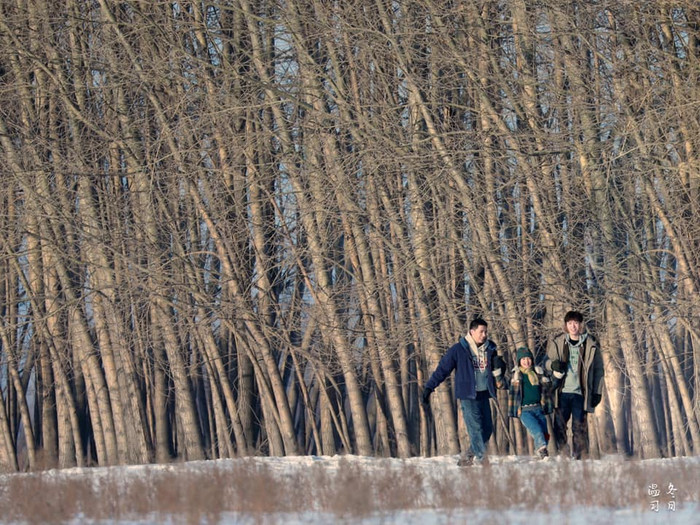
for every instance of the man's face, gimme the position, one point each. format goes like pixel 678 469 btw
pixel 573 328
pixel 479 334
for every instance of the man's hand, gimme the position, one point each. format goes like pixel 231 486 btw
pixel 425 398
pixel 498 366
pixel 558 368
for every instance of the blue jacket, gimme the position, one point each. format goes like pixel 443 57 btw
pixel 459 357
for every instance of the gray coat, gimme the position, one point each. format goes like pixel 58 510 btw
pixel 591 368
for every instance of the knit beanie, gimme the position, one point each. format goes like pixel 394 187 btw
pixel 521 352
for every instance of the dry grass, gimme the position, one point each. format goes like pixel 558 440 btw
pixel 347 490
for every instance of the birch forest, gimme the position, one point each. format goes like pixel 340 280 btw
pixel 240 227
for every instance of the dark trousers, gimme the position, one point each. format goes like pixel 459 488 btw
pixel 571 407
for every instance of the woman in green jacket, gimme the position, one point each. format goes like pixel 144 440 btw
pixel 529 398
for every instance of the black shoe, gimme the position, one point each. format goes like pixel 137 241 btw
pixel 465 461
pixel 542 452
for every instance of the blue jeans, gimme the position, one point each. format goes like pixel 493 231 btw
pixel 536 424
pixel 477 418
pixel 571 407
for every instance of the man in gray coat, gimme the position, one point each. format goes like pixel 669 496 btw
pixel 575 362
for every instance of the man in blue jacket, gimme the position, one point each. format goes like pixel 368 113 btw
pixel 479 371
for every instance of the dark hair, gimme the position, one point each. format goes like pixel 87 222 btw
pixel 478 321
pixel 573 315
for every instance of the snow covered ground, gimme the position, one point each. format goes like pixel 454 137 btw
pixel 353 489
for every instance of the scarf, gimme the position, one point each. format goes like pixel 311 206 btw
pixel 477 354
pixel 531 375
